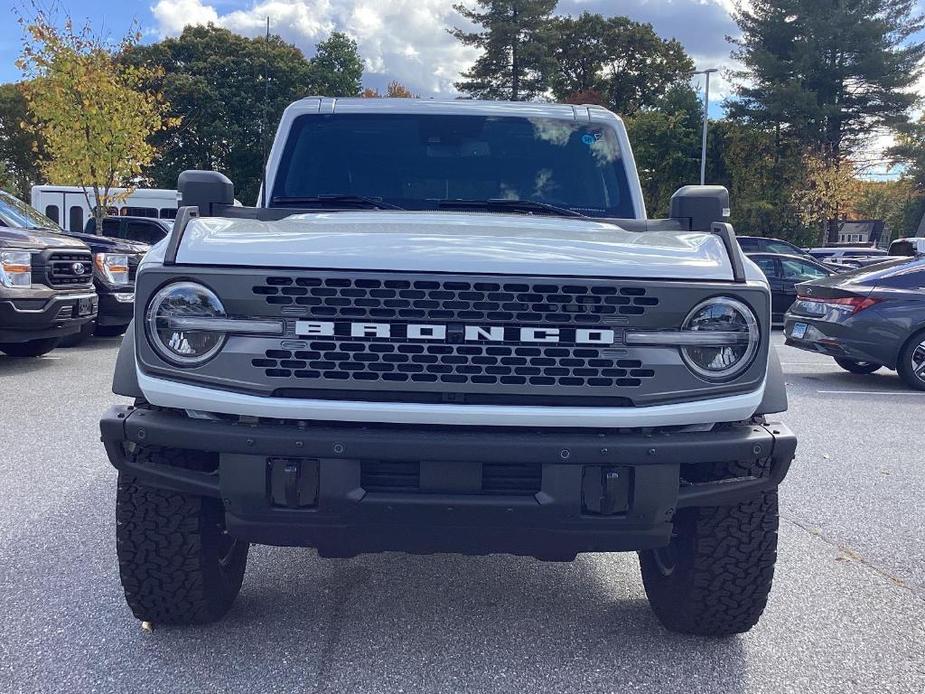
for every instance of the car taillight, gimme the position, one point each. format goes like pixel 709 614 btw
pixel 848 304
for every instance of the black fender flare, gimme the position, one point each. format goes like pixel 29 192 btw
pixel 775 388
pixel 125 378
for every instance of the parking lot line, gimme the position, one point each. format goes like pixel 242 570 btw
pixel 869 392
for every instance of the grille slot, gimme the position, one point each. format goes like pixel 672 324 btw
pixel 60 269
pixel 551 303
pixel 343 359
pixel 515 479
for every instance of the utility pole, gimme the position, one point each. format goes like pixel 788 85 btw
pixel 706 121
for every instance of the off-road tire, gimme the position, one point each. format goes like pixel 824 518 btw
pixel 905 365
pixel 176 563
pixel 858 367
pixel 723 564
pixel 110 330
pixel 32 348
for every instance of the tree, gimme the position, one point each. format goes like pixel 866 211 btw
pixel 515 62
pixel 666 145
pixel 394 90
pixel 229 92
pixel 624 62
pixel 20 146
pixel 828 191
pixel 336 68
pixel 94 114
pixel 828 74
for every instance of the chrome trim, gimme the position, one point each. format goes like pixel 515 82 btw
pixel 689 338
pixel 240 326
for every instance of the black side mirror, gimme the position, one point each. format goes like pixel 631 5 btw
pixel 205 190
pixel 702 205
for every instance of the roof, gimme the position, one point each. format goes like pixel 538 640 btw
pixel 536 109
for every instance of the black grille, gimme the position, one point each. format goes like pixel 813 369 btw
pixel 515 479
pixel 481 364
pixel 547 303
pixel 62 269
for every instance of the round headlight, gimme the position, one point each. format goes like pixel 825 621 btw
pixel 179 345
pixel 731 347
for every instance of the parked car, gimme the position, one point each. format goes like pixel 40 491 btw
pixel 115 264
pixel 838 252
pixel 909 247
pixel 784 272
pixel 46 290
pixel 112 269
pixel 760 244
pixel 866 319
pixel 146 230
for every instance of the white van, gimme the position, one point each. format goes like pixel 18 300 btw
pixel 67 205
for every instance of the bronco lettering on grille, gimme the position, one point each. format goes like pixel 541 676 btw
pixel 467 333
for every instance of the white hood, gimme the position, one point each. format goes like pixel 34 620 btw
pixel 454 242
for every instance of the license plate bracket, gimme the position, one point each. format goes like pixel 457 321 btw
pixel 85 307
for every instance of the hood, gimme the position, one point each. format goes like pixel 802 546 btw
pixel 37 239
pixel 454 242
pixel 107 244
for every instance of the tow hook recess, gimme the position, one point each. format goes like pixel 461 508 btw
pixel 605 490
pixel 293 482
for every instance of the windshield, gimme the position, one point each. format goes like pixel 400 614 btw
pixel 17 214
pixel 417 161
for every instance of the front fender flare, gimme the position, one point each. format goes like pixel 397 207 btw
pixel 775 388
pixel 125 378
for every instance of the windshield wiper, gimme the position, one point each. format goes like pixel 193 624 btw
pixel 503 204
pixel 335 200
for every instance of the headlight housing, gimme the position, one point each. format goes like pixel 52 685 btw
pixel 167 318
pixel 725 338
pixel 113 267
pixel 15 268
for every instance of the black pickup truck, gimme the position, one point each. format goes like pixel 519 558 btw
pixel 46 285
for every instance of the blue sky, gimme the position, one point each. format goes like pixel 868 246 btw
pixel 399 39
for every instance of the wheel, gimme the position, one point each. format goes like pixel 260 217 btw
pixel 85 332
pixel 177 564
pixel 110 330
pixel 715 576
pixel 858 367
pixel 32 348
pixel 911 365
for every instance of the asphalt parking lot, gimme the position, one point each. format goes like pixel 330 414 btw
pixel 847 613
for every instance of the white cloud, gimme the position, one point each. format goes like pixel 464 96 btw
pixel 406 40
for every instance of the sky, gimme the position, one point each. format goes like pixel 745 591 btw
pixel 405 40
pixel 398 39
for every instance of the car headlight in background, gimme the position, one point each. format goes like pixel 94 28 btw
pixel 15 268
pixel 113 267
pixel 173 339
pixel 726 338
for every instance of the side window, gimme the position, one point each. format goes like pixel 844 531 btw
pixel 51 211
pixel 748 245
pixel 785 248
pixel 168 213
pixel 140 212
pixel 796 270
pixel 146 233
pixel 768 266
pixel 111 228
pixel 76 218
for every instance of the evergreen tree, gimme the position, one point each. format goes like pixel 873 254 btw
pixel 827 74
pixel 515 61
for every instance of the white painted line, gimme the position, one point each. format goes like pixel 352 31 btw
pixel 869 392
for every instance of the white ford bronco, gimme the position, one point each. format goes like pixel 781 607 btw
pixel 449 326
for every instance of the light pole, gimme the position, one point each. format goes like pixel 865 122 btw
pixel 706 121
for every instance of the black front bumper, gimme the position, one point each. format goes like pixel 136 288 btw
pixel 115 312
pixel 23 319
pixel 312 485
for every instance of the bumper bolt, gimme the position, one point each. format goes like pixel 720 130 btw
pixel 757 450
pixel 250 442
pixel 651 451
pixel 338 448
pixel 565 453
pixel 142 434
